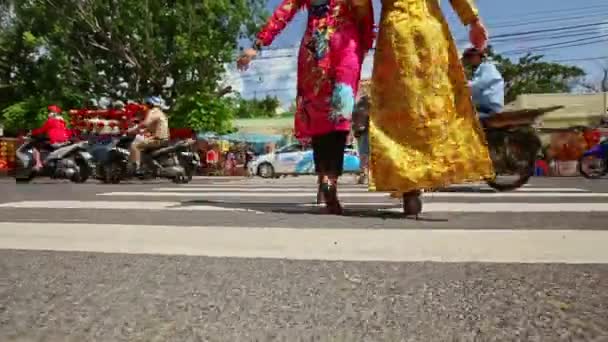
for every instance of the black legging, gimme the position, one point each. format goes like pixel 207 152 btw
pixel 328 152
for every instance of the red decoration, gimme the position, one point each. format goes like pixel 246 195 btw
pixel 592 137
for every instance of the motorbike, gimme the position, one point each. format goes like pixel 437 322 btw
pixel 69 160
pixel 188 159
pixel 173 161
pixel 594 162
pixel 514 146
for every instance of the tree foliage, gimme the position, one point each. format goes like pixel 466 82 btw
pixel 530 74
pixel 204 112
pixel 255 108
pixel 67 51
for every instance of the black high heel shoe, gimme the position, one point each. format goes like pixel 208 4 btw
pixel 412 204
pixel 330 196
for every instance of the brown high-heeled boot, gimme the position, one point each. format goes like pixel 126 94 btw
pixel 330 195
pixel 412 204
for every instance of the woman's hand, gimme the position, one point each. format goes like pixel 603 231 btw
pixel 246 57
pixel 478 35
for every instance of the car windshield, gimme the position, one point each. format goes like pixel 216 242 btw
pixel 290 148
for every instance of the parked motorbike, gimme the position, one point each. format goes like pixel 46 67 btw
pixel 514 146
pixel 594 163
pixel 69 160
pixel 166 162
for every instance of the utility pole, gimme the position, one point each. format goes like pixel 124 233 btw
pixel 605 92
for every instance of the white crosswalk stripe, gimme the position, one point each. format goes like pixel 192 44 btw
pixel 254 197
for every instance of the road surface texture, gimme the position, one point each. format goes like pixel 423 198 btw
pixel 256 260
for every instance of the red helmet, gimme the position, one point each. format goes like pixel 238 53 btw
pixel 54 109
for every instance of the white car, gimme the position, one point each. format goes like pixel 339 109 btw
pixel 295 160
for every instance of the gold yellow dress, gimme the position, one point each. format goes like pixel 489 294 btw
pixel 424 132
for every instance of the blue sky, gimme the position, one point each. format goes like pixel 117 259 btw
pixel 501 17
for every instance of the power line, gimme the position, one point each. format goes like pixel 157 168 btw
pixel 573 33
pixel 581 59
pixel 557 29
pixel 540 47
pixel 569 10
pixel 548 20
pixel 520 51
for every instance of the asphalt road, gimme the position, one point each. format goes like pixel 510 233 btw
pixel 244 260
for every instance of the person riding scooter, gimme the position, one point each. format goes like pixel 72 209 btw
pixel 54 129
pixel 156 123
pixel 487 84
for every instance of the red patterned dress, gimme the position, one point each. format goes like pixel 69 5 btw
pixel 338 35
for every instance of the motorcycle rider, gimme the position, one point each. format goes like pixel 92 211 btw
pixel 487 84
pixel 157 124
pixel 54 129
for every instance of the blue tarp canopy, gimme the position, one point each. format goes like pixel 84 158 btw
pixel 252 138
pixel 207 136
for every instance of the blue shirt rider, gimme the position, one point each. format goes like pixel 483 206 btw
pixel 487 84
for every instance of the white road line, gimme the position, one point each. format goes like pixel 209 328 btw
pixel 502 246
pixel 428 207
pixel 503 207
pixel 511 207
pixel 241 189
pixel 550 190
pixel 347 194
pixel 308 184
pixel 346 189
pixel 116 205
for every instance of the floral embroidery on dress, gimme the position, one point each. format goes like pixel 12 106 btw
pixel 342 102
pixel 319 42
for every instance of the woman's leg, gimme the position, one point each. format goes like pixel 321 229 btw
pixel 317 153
pixel 364 157
pixel 336 142
pixel 38 166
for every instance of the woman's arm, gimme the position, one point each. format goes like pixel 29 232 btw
pixel 466 10
pixel 44 129
pixel 277 22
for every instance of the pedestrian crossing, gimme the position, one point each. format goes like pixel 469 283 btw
pixel 250 218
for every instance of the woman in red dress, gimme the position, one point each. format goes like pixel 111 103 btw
pixel 338 35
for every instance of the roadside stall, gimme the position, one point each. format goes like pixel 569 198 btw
pixel 8 146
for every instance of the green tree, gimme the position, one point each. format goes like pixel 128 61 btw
pixel 264 108
pixel 66 51
pixel 204 112
pixel 530 74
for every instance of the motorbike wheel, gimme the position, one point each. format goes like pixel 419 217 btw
pixel 597 171
pixel 113 172
pixel 24 180
pixel 189 173
pixel 84 171
pixel 525 149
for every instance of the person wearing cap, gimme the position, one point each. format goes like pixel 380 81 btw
pixel 156 123
pixel 487 84
pixel 54 129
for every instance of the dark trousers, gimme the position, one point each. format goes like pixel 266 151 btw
pixel 328 152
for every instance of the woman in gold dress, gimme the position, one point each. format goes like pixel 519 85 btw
pixel 424 132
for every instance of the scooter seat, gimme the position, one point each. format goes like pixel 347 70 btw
pixel 60 145
pixel 165 150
